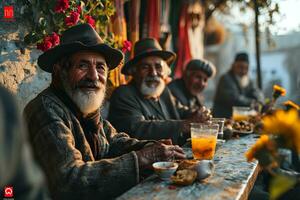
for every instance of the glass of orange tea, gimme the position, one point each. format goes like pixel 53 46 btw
pixel 204 140
pixel 240 113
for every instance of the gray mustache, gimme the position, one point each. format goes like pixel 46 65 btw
pixel 89 83
pixel 152 78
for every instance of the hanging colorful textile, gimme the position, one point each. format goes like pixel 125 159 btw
pixel 134 20
pixel 152 19
pixel 183 47
pixel 119 31
pixel 196 29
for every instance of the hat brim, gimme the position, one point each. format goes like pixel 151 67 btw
pixel 168 56
pixel 113 57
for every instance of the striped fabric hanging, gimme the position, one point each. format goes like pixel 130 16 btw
pixel 134 20
pixel 119 30
pixel 152 19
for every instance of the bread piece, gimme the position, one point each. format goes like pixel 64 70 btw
pixel 184 177
pixel 187 164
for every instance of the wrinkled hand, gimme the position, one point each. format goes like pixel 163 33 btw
pixel 200 116
pixel 166 141
pixel 158 152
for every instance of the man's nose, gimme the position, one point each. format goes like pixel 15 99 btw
pixel 152 71
pixel 92 74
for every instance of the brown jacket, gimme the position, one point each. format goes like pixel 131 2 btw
pixel 61 148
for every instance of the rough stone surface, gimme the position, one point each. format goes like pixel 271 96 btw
pixel 18 69
pixel 230 180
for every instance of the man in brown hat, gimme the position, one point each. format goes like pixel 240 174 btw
pixel 145 108
pixel 188 89
pixel 82 155
pixel 235 88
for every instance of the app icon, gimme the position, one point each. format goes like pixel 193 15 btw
pixel 8 12
pixel 8 191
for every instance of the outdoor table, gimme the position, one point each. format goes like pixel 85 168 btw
pixel 233 178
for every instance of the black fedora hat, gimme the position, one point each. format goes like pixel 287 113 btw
pixel 147 47
pixel 78 38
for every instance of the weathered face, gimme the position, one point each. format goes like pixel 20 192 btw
pixel 87 66
pixel 195 81
pixel 149 75
pixel 85 80
pixel 240 68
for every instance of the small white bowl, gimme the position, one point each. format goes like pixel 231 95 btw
pixel 165 169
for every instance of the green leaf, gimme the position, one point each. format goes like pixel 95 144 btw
pixel 31 38
pixel 281 184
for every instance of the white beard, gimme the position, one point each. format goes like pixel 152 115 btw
pixel 153 91
pixel 243 81
pixel 87 101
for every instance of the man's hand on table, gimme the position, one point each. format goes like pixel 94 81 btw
pixel 162 150
pixel 199 116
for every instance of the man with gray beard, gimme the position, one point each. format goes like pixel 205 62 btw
pixel 235 88
pixel 145 108
pixel 82 155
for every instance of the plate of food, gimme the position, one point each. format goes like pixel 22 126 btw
pixel 242 128
pixel 189 171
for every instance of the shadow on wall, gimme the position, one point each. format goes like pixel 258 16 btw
pixel 30 87
pixel 6 53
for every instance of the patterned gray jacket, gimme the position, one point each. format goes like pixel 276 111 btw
pixel 62 150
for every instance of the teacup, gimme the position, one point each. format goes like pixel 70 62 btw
pixel 165 169
pixel 204 169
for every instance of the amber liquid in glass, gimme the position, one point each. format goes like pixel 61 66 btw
pixel 237 117
pixel 204 148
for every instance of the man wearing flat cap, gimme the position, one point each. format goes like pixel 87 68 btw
pixel 235 88
pixel 145 107
pixel 82 155
pixel 188 89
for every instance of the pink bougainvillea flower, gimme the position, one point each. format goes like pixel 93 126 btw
pixel 89 19
pixel 126 46
pixel 79 9
pixel 45 45
pixel 72 19
pixel 61 6
pixel 55 39
pixel 49 42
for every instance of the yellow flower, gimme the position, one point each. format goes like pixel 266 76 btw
pixel 250 155
pixel 118 39
pixel 278 91
pixel 291 105
pixel 285 124
pixel 265 151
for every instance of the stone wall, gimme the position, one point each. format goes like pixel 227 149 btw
pixel 18 68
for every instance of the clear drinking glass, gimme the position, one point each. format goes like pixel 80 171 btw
pixel 204 140
pixel 240 113
pixel 220 122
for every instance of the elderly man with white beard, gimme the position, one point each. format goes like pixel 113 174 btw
pixel 145 108
pixel 235 88
pixel 82 155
